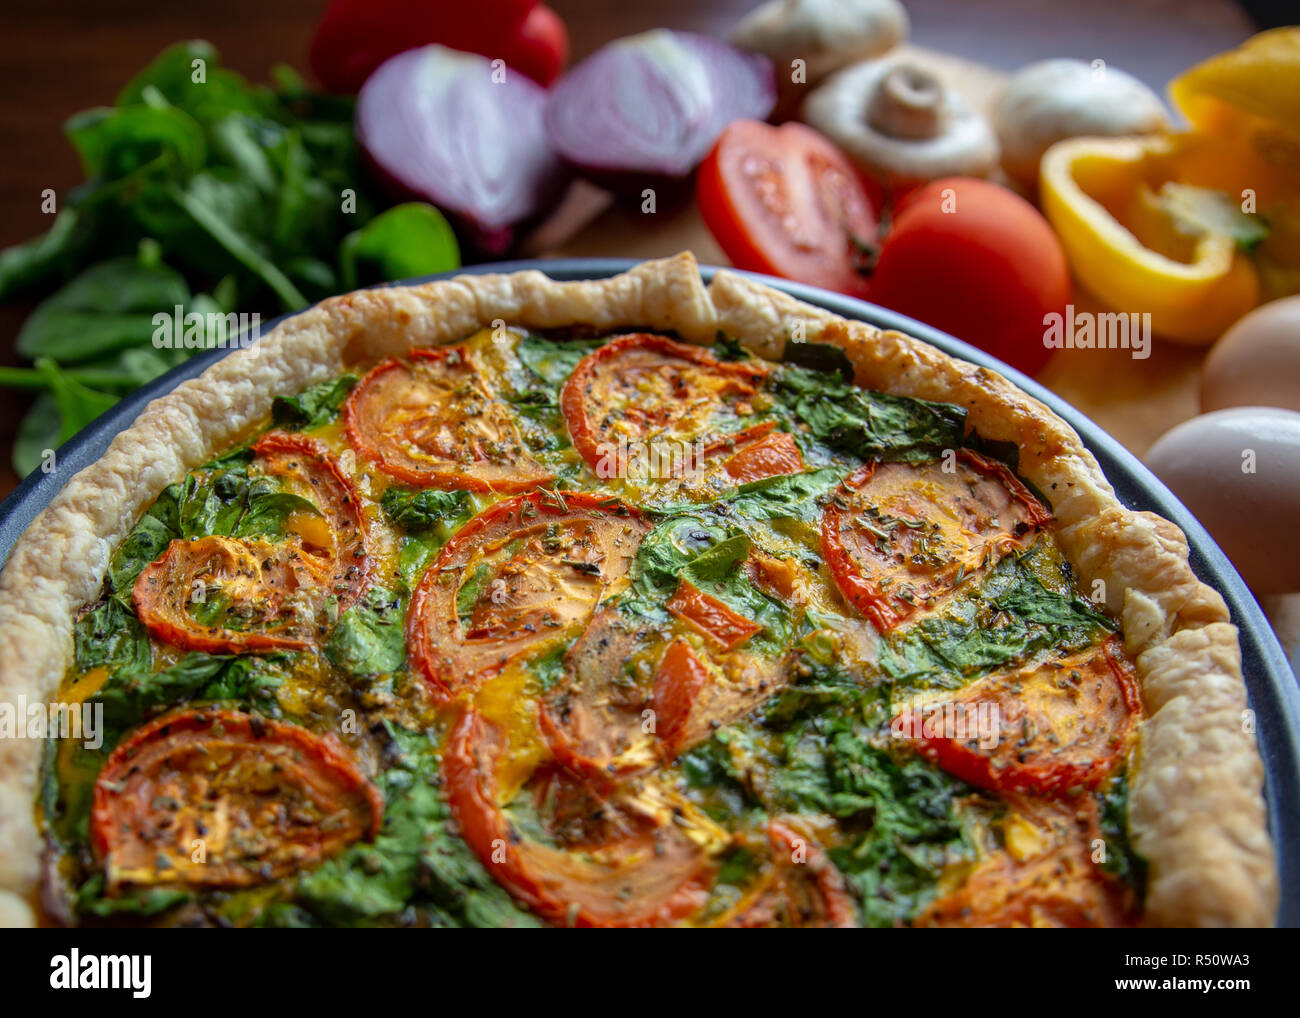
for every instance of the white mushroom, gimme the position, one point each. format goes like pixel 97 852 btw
pixel 1053 100
pixel 825 34
pixel 896 119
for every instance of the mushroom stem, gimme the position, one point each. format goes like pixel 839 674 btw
pixel 908 103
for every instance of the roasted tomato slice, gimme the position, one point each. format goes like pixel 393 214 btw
pixel 900 536
pixel 434 421
pixel 646 874
pixel 1042 876
pixel 647 404
pixel 602 721
pixel 339 534
pixel 711 617
pixel 799 888
pixel 218 798
pixel 595 720
pixel 772 455
pixel 520 573
pixel 1044 729
pixel 231 595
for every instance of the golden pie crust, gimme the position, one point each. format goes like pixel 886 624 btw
pixel 1197 811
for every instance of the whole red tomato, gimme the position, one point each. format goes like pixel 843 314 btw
pixel 977 261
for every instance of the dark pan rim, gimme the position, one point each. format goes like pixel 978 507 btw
pixel 1270 684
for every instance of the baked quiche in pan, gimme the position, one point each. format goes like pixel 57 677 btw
pixel 634 602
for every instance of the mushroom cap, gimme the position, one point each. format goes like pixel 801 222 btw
pixel 1052 100
pixel 879 118
pixel 826 34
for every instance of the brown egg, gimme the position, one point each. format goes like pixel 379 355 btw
pixel 1238 471
pixel 1257 362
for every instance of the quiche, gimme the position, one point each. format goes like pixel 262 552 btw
pixel 630 602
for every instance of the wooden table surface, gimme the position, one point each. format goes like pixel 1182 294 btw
pixel 59 57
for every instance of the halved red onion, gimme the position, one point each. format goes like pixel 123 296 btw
pixel 654 104
pixel 445 126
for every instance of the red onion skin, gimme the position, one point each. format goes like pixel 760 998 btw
pixel 474 147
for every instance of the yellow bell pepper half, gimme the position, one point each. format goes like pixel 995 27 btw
pixel 1143 241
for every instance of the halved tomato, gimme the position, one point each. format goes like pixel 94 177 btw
pixel 800 887
pixel 434 421
pixel 1043 875
pixel 900 536
pixel 785 201
pixel 1046 729
pixel 219 798
pixel 260 595
pixel 643 873
pixel 521 573
pixel 643 400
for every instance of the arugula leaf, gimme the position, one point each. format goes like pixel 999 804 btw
pixel 1009 616
pixel 872 425
pixel 370 638
pixel 131 693
pixel 316 405
pixel 416 859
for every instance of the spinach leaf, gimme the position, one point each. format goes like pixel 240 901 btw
pixel 147 901
pixel 706 555
pixel 224 502
pixel 108 307
pixel 110 636
pixel 872 425
pixel 1121 859
pixel 426 509
pixel 319 404
pixel 826 358
pixel 416 859
pixel 1009 616
pixel 553 361
pixel 370 638
pixel 789 496
pixel 406 241
pixel 471 592
pixel 131 693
